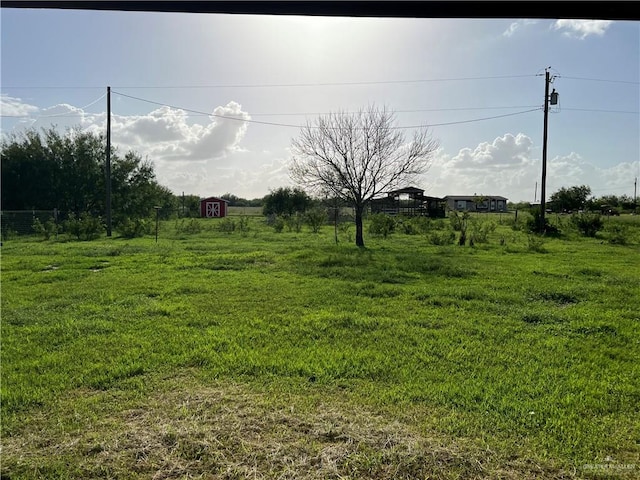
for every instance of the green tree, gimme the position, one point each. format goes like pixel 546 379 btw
pixel 188 205
pixel 50 170
pixel 27 173
pixel 286 201
pixel 134 190
pixel 620 203
pixel 569 199
pixel 46 170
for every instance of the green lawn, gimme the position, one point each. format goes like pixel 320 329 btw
pixel 285 355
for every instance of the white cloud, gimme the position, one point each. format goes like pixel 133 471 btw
pixel 572 170
pixel 187 156
pixel 508 167
pixel 582 28
pixel 166 135
pixel 15 107
pixel 513 27
pixel 507 151
pixel 223 135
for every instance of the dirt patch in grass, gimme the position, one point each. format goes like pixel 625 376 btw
pixel 227 431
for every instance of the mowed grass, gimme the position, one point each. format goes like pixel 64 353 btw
pixel 283 355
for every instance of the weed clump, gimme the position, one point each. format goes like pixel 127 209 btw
pixel 381 225
pixel 588 224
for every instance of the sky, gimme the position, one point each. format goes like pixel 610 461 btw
pixel 214 100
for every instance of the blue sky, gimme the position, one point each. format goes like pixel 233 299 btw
pixel 479 83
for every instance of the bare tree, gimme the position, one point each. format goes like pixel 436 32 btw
pixel 357 156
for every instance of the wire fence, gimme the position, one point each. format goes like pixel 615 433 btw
pixel 21 222
pixel 16 223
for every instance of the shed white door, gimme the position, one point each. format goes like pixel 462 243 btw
pixel 213 209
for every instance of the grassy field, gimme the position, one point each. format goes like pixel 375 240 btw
pixel 256 354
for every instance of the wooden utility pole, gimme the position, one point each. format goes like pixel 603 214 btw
pixel 553 100
pixel 108 163
pixel 544 153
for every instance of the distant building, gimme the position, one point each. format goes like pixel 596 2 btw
pixel 409 201
pixel 476 203
pixel 213 207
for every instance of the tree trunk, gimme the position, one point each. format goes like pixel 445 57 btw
pixel 359 238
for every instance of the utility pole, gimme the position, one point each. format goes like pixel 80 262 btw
pixel 108 163
pixel 635 201
pixel 553 99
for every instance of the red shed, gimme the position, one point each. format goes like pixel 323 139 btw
pixel 213 207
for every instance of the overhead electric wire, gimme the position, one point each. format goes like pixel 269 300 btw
pixel 636 112
pixel 308 114
pixel 80 108
pixel 602 80
pixel 60 115
pixel 327 84
pixel 312 84
pixel 204 113
pixel 303 114
pixel 301 126
pixel 479 119
pixel 281 85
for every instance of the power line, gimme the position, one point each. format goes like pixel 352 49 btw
pixel 396 111
pixel 282 85
pixel 601 111
pixel 602 80
pixel 314 84
pixel 300 126
pixel 205 113
pixel 56 115
pixel 304 114
pixel 307 114
pixel 474 120
pixel 329 84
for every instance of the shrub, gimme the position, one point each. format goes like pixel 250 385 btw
pixel 480 231
pixel 535 243
pixel 243 225
pixel 587 223
pixel 293 222
pixel 138 227
pixel 277 223
pixel 188 226
pixel 8 233
pixel 438 224
pixel 533 224
pixel 345 229
pixel 381 224
pixel 45 230
pixel 459 221
pixel 84 227
pixel 445 237
pixel 414 225
pixel 227 225
pixel 315 218
pixel 617 234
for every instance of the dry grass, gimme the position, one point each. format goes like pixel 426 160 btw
pixel 232 431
